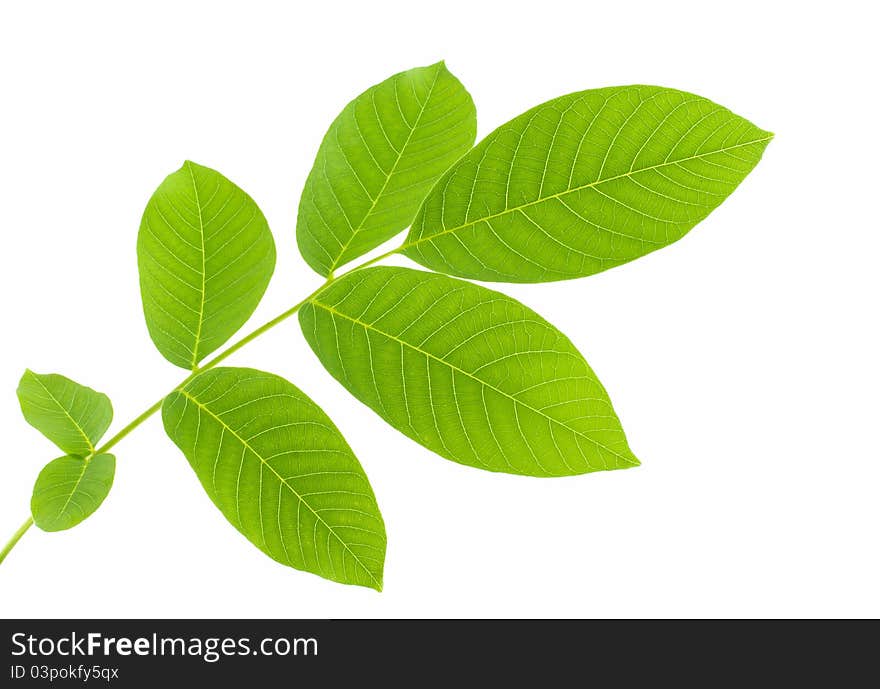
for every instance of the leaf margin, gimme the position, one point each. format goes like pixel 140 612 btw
pixel 49 383
pixel 411 248
pixel 376 577
pixel 306 238
pixel 153 282
pixel 60 519
pixel 626 458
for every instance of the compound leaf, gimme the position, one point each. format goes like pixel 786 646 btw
pixel 72 416
pixel 279 470
pixel 205 257
pixel 69 489
pixel 378 160
pixel 467 372
pixel 584 183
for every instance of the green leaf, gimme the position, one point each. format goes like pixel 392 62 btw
pixel 378 160
pixel 205 256
pixel 280 472
pixel 584 183
pixel 69 489
pixel 467 372
pixel 71 415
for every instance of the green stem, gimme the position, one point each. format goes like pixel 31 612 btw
pixel 22 530
pixel 233 348
pixel 129 428
pixel 229 351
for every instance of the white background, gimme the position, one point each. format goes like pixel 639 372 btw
pixel 742 360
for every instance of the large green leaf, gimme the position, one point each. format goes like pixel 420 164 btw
pixel 280 472
pixel 584 183
pixel 469 373
pixel 71 415
pixel 69 489
pixel 378 160
pixel 205 256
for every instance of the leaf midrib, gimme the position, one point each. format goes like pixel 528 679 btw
pixel 370 326
pixel 590 185
pixel 67 414
pixel 82 473
pixel 198 335
pixel 336 263
pixel 282 480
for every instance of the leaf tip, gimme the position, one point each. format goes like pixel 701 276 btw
pixel 629 460
pixel 191 165
pixel 376 577
pixel 632 460
pixel 766 137
pixel 27 372
pixel 25 377
pixel 440 67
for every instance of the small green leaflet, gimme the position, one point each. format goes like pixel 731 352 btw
pixel 69 489
pixel 584 183
pixel 378 160
pixel 280 472
pixel 467 372
pixel 71 415
pixel 205 257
